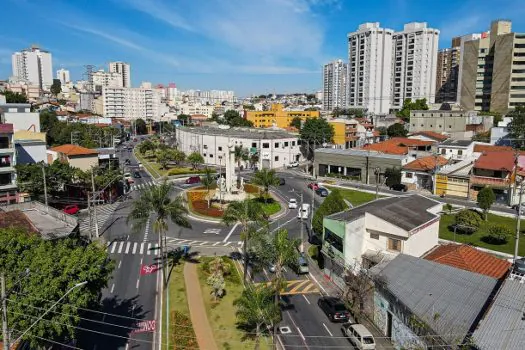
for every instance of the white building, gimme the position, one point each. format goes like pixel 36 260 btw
pixel 414 63
pixel 103 79
pixel 124 70
pixel 275 148
pixel 334 85
pixel 499 135
pixel 20 115
pixel 63 76
pixel 33 66
pixel 131 103
pixel 369 68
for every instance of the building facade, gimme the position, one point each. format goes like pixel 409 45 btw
pixel 334 85
pixel 131 103
pixel 64 76
pixel 414 63
pixel 124 70
pixel 369 68
pixel 450 122
pixel 277 116
pixel 33 66
pixel 447 72
pixel 103 79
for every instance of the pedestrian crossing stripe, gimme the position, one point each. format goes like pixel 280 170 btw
pixel 128 247
pixel 142 186
pixel 103 214
pixel 213 230
pixel 180 242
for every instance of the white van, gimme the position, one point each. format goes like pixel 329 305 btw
pixel 359 336
pixel 304 211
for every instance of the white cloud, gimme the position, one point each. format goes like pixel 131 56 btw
pixel 159 10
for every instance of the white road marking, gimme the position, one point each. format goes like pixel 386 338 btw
pixel 230 233
pixel 301 334
pixel 227 244
pixel 148 252
pixel 214 244
pixel 119 263
pixel 157 250
pixel 112 287
pixel 328 330
pixel 113 248
pixel 138 281
pixel 120 247
pixel 134 248
pixel 141 260
pixel 316 281
pixel 127 247
pixel 305 298
pixel 203 243
pixel 142 248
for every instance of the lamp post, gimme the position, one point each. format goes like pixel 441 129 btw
pixel 377 172
pixel 521 181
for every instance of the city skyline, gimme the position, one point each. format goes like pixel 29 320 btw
pixel 270 46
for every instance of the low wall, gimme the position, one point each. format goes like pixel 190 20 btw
pixel 35 205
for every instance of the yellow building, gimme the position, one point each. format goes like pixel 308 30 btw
pixel 276 116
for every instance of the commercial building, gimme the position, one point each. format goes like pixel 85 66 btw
pixel 76 156
pixel 334 85
pixel 493 70
pixel 370 68
pixel 64 76
pixel 350 133
pixel 414 63
pixel 33 66
pixel 271 148
pixel 448 71
pixel 459 124
pixel 124 70
pixel 277 116
pixel 131 103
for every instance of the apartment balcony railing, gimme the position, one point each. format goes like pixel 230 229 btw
pixel 491 181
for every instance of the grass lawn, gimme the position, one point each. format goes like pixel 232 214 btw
pixel 152 167
pixel 221 315
pixel 270 206
pixel 355 197
pixel 445 232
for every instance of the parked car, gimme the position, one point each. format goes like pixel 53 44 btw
pixel 313 186
pixel 71 209
pixel 334 308
pixel 293 165
pixel 193 180
pixel 301 265
pixel 281 181
pixel 292 203
pixel 135 139
pixel 137 175
pixel 359 336
pixel 321 191
pixel 519 266
pixel 399 187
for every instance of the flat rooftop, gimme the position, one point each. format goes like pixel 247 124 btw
pixel 245 133
pixel 359 153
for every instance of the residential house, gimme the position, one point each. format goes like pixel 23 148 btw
pixel 499 135
pixel 420 303
pixel 456 150
pixel 365 235
pixel 484 147
pixel 77 156
pixel 350 133
pixel 494 169
pixel 454 179
pixel 419 174
pixel 428 136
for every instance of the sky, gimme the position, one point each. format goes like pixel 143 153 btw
pixel 248 46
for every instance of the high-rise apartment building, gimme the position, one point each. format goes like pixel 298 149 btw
pixel 448 72
pixel 33 66
pixel 334 85
pixel 124 70
pixel 103 79
pixel 131 103
pixel 63 76
pixel 414 63
pixel 369 68
pixel 493 70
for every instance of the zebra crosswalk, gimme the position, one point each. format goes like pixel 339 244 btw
pixel 141 186
pixel 128 247
pixel 195 243
pixel 103 214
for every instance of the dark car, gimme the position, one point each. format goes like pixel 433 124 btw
pixel 137 175
pixel 321 191
pixel 281 181
pixel 334 308
pixel 399 187
pixel 193 180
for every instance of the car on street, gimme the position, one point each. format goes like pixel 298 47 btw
pixel 334 308
pixel 399 187
pixel 359 336
pixel 139 164
pixel 129 178
pixel 137 175
pixel 71 209
pixel 301 265
pixel 313 186
pixel 292 203
pixel 271 268
pixel 304 211
pixel 193 180
pixel 293 165
pixel 282 181
pixel 321 191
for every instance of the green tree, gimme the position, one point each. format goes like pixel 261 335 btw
pixel 248 214
pixel 296 123
pixel 333 203
pixel 382 130
pixel 195 159
pixel 141 127
pixel 467 221
pixel 164 157
pixel 396 130
pixel 178 156
pixel 265 178
pixel 217 284
pixel 233 118
pixel 517 126
pixel 15 97
pixel 146 145
pixel 408 105
pixel 185 119
pixel 254 159
pixel 497 116
pixel 256 309
pixel 41 272
pixel 56 87
pixel 240 154
pixel 311 109
pixel 448 207
pixel 156 202
pixel 48 119
pixel 315 132
pixel 392 176
pixel 208 180
pixel 486 198
pixel 248 107
pixel 355 112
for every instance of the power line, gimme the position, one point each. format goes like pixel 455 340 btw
pixel 49 340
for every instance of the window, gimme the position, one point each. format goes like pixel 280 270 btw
pixel 205 146
pixel 254 144
pixel 443 151
pixel 335 241
pixel 276 158
pixel 450 126
pixel 211 155
pixel 220 148
pixel 293 143
pixel 266 145
pixel 374 235
pixel 285 144
pixel 460 152
pixel 394 244
pixel 276 145
pixel 409 175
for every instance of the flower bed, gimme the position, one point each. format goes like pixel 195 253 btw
pixel 196 195
pixel 201 207
pixel 249 188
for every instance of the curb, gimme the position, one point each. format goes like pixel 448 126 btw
pixel 143 167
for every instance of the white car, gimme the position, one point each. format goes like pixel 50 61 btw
pixel 292 204
pixel 293 165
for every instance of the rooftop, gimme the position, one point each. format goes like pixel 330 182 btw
pixel 496 161
pixel 73 150
pixel 490 148
pixel 16 219
pixel 432 135
pixel 359 153
pixel 462 168
pixel 397 145
pixel 405 212
pixel 428 289
pixel 455 143
pixel 239 132
pixel 469 258
pixel 426 163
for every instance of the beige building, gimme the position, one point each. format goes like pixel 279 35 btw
pixel 493 70
pixel 450 122
pixel 447 72
pixel 76 156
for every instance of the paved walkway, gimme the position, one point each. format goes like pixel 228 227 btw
pixel 199 318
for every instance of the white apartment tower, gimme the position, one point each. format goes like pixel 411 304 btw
pixel 131 103
pixel 124 70
pixel 103 79
pixel 414 63
pixel 334 85
pixel 369 68
pixel 63 76
pixel 33 66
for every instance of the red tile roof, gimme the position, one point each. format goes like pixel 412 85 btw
pixel 426 163
pixel 73 150
pixel 397 145
pixel 433 135
pixel 469 258
pixel 496 161
pixel 490 148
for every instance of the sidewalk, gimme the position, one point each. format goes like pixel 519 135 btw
pixel 199 318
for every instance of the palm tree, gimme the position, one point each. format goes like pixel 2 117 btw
pixel 255 309
pixel 207 181
pixel 155 200
pixel 254 159
pixel 240 154
pixel 244 212
pixel 265 178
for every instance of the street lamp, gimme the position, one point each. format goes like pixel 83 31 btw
pixel 78 285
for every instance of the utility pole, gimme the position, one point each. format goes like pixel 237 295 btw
pixel 312 209
pixel 5 333
pixel 518 223
pixel 45 186
pixel 301 221
pixel 94 203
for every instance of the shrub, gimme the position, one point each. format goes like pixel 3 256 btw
pixel 468 221
pixel 313 251
pixel 196 195
pixel 249 188
pixel 448 207
pixel 182 171
pixel 498 234
pixel 183 336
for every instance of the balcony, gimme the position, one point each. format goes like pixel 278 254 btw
pixel 490 181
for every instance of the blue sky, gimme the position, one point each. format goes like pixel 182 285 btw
pixel 249 46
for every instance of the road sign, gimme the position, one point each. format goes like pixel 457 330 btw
pixel 145 326
pixel 148 269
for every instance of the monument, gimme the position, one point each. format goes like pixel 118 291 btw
pixel 229 188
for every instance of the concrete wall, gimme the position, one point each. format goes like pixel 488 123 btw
pixel 422 241
pixel 28 153
pixel 501 73
pixel 469 66
pixel 23 120
pixel 83 162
